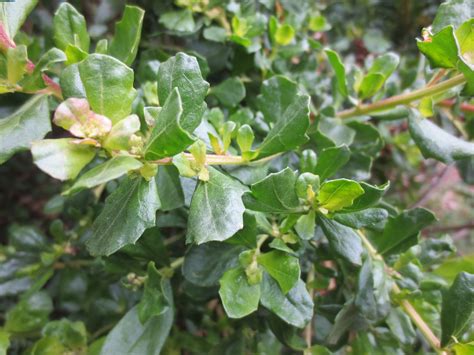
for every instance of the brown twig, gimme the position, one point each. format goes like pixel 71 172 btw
pixel 435 182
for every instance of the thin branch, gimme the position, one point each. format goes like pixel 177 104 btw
pixel 218 159
pixel 403 99
pixel 406 306
pixel 453 228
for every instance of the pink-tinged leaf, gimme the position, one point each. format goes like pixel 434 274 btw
pixel 5 40
pixel 76 116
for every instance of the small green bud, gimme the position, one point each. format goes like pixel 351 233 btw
pixel 307 186
pixel 227 131
pixel 245 138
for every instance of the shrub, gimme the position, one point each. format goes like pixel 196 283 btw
pixel 225 178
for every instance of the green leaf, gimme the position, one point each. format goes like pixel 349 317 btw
pixel 289 111
pixel 285 269
pixel 284 34
pixel 71 335
pixel 169 188
pixel 458 307
pixel 182 71
pixel 453 12
pixel 128 211
pixel 105 172
pixel 449 269
pixel 35 81
pixel 31 122
pixel 229 92
pixel 178 21
pixel 216 210
pixel 362 219
pixel 331 160
pixel 337 194
pixel 61 158
pixel 121 132
pixel 239 298
pixel 70 28
pixel 274 194
pixel 339 70
pixel 4 342
pixel 401 229
pixel 154 301
pixel 106 82
pixel 130 336
pixel 17 59
pixel 442 49
pixel 167 138
pixel 205 264
pixel 13 14
pixel 435 142
pixel 128 30
pixel 30 314
pixel 463 349
pixel 378 73
pixel 295 308
pixel 343 240
pixel 465 37
pixel 401 326
pixel 305 225
pixel 372 196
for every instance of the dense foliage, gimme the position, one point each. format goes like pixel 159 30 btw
pixel 238 177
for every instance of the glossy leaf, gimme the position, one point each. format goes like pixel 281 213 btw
pixel 167 138
pixel 183 72
pixel 331 160
pixel 442 49
pixel 435 142
pixel 343 240
pixel 362 219
pixel 61 158
pixel 378 73
pixel 339 70
pixel 169 188
pixel 30 123
pixel 274 194
pixel 285 269
pixel 105 172
pixel 128 211
pixel 453 12
pixel 457 308
pixel 70 28
pixel 295 308
pixel 216 210
pixel 372 195
pixel 239 298
pixel 124 44
pixel 106 82
pixel 154 301
pixel 289 110
pixel 13 14
pixel 337 194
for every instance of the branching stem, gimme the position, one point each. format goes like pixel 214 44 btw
pixel 430 337
pixel 217 159
pixel 403 99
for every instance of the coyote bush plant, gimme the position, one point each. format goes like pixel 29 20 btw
pixel 218 191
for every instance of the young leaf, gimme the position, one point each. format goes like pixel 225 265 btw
pixel 216 210
pixel 276 194
pixel 435 142
pixel 458 307
pixel 285 269
pixel 400 230
pixel 337 194
pixel 167 138
pixel 239 298
pixel 442 49
pixel 30 123
pixel 128 211
pixel 61 158
pixel 17 59
pixel 105 172
pixel 205 264
pixel 13 14
pixel 339 70
pixel 121 132
pixel 378 73
pixel 106 82
pixel 372 195
pixel 35 81
pixel 229 92
pixel 154 301
pixel 343 240
pixel 130 336
pixel 295 308
pixel 124 44
pixel 289 111
pixel 70 28
pixel 331 160
pixel 182 72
